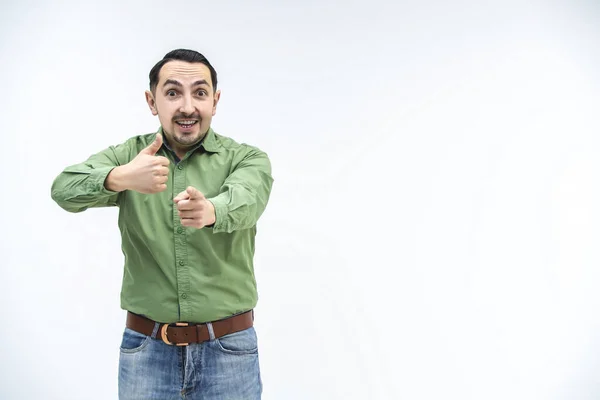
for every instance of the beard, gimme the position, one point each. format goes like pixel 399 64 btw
pixel 187 136
pixel 187 139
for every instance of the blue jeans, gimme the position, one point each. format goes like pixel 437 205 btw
pixel 223 368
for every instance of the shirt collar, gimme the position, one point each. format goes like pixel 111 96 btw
pixel 209 142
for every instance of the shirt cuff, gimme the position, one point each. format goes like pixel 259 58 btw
pixel 221 210
pixel 98 178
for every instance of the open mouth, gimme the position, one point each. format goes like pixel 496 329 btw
pixel 186 124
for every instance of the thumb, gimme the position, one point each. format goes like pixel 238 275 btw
pixel 154 146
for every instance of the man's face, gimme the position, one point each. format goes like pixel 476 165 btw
pixel 184 101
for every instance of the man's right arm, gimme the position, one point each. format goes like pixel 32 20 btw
pixel 98 181
pixel 82 186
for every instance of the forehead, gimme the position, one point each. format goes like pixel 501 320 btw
pixel 184 72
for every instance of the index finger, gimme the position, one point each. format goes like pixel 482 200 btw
pixel 181 196
pixel 194 193
pixel 163 161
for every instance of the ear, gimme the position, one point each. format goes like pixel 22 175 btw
pixel 151 102
pixel 217 96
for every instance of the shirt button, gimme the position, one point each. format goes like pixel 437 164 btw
pixel 181 263
pixel 184 296
pixel 180 167
pixel 179 230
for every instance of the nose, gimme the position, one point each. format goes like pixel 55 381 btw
pixel 187 107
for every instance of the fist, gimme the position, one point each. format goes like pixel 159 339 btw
pixel 193 208
pixel 148 173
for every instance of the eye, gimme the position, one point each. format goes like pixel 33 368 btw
pixel 171 93
pixel 202 92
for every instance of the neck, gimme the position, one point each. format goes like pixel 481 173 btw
pixel 179 149
pixel 175 147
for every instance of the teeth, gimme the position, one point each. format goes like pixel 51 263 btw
pixel 186 122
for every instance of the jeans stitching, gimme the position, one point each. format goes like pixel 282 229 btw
pixel 236 352
pixel 136 349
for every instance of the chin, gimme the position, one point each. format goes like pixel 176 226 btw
pixel 188 138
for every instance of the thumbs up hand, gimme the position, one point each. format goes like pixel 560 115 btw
pixel 194 210
pixel 146 173
pixel 154 146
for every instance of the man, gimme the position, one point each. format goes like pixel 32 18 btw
pixel 188 200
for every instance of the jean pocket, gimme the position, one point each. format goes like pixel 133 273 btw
pixel 242 342
pixel 133 341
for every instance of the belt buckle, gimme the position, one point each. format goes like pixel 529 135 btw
pixel 163 333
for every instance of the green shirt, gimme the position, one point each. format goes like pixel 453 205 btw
pixel 173 273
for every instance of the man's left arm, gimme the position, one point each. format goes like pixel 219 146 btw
pixel 241 200
pixel 244 195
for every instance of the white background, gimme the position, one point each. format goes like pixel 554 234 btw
pixel 434 224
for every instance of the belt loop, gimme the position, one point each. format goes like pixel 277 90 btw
pixel 155 330
pixel 211 332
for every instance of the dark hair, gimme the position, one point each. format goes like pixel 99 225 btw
pixel 190 56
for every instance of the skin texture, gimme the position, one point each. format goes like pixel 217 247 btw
pixel 184 93
pixel 194 209
pixel 146 173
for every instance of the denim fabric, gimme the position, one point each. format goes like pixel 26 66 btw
pixel 224 368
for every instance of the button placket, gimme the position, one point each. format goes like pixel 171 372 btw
pixel 180 241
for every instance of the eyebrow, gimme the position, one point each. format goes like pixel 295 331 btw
pixel 200 82
pixel 178 84
pixel 172 82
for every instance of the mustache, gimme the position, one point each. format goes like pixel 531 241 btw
pixel 186 116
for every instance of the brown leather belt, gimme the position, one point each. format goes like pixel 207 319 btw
pixel 183 333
